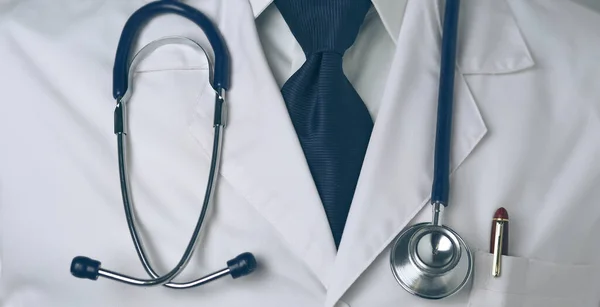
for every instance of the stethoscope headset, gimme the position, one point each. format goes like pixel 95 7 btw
pixel 239 266
pixel 429 260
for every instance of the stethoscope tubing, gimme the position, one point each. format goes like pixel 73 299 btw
pixel 156 279
pixel 441 175
pixel 418 277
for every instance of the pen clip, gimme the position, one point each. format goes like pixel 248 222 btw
pixel 497 258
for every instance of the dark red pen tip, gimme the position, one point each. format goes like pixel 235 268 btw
pixel 501 213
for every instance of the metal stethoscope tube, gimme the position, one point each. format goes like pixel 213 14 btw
pixel 244 263
pixel 215 159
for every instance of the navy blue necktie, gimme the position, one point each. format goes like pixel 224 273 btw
pixel 330 119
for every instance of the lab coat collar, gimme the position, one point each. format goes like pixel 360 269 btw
pixel 259 6
pixel 484 50
pixel 391 12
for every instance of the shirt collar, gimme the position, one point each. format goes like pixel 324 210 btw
pixel 391 13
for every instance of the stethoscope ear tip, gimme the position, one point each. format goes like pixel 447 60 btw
pixel 241 265
pixel 84 267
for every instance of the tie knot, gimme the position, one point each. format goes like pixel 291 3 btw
pixel 324 25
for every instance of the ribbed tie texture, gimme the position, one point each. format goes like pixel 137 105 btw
pixel 330 119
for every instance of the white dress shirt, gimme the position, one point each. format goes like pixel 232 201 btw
pixel 366 63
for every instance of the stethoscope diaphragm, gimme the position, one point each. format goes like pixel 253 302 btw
pixel 431 261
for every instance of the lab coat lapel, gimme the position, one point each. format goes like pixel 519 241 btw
pixel 261 157
pixel 395 182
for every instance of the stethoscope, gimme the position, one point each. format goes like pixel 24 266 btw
pixel 241 265
pixel 431 260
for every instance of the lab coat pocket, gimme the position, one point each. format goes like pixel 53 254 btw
pixel 526 282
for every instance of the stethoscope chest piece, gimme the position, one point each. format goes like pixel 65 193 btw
pixel 431 261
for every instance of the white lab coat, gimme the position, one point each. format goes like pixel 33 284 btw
pixel 526 137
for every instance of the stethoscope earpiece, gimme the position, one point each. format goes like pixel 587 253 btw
pixel 84 267
pixel 241 265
